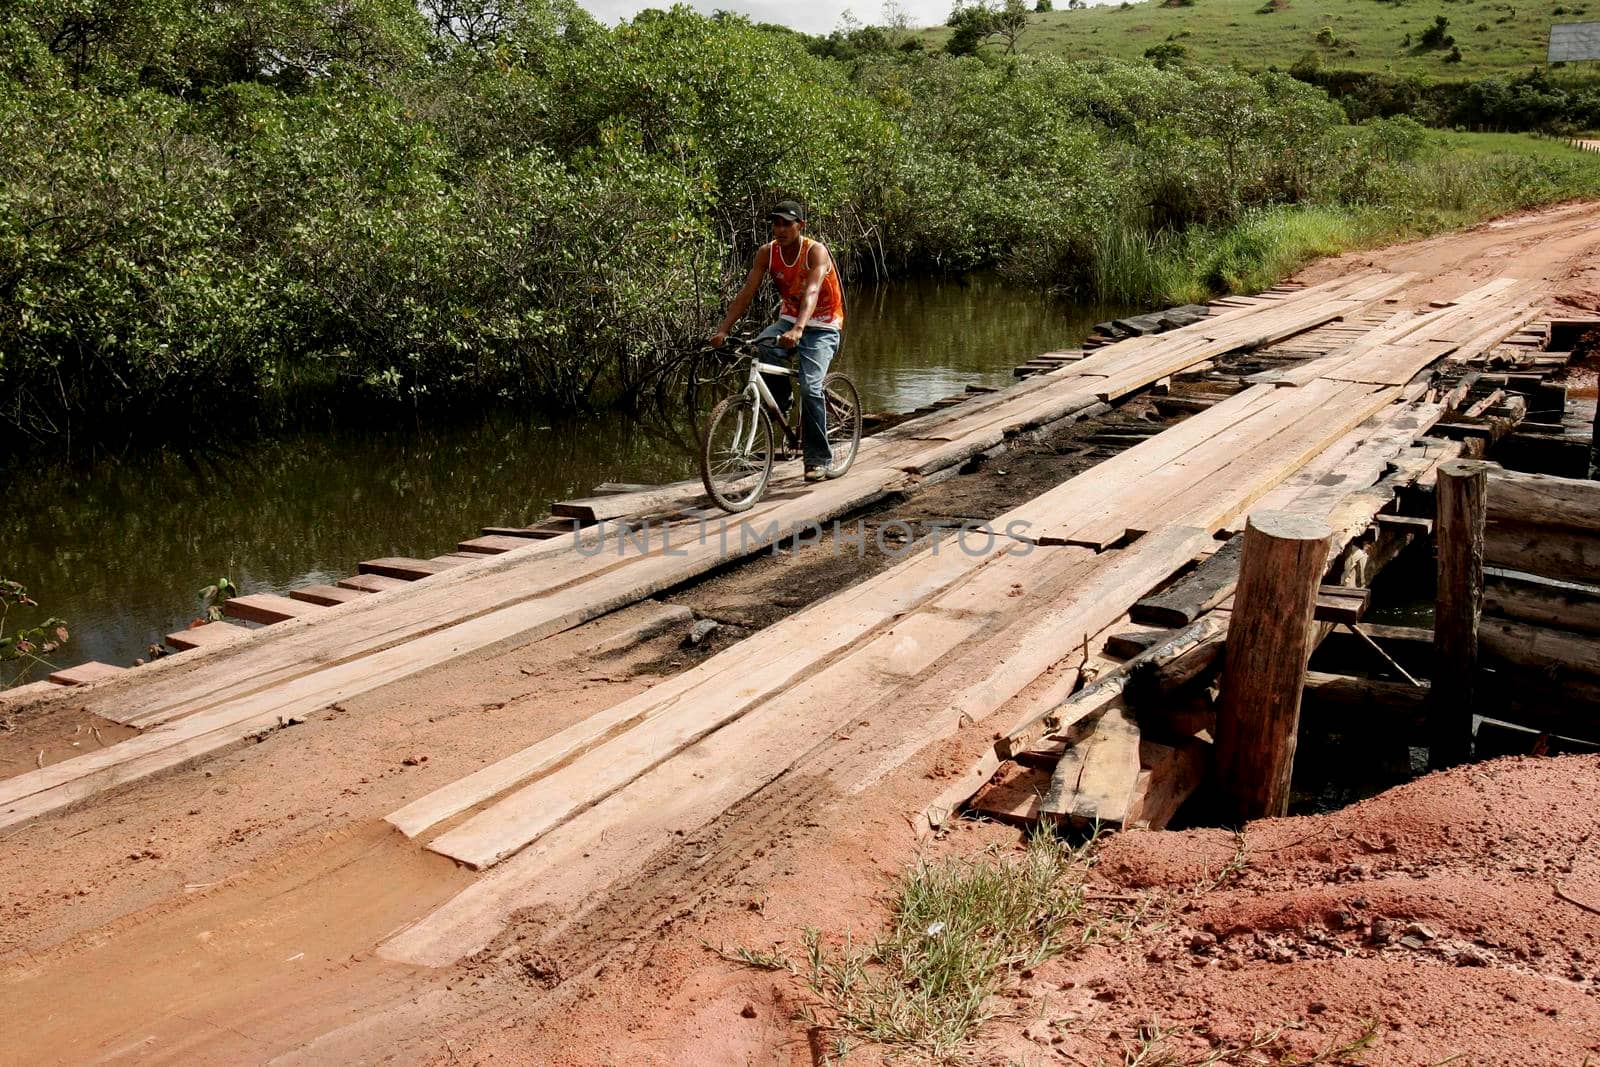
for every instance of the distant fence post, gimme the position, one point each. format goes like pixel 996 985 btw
pixel 1269 641
pixel 1461 500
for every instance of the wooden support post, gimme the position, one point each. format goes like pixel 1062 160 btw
pixel 1270 638
pixel 1461 496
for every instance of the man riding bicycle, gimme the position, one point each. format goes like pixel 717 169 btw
pixel 809 324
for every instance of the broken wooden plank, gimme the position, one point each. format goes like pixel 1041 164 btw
pixel 1090 701
pixel 1094 782
pixel 1185 600
pixel 1169 775
pixel 267 608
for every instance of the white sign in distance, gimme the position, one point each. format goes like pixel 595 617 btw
pixel 1572 42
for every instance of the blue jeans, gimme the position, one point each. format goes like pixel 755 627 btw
pixel 816 350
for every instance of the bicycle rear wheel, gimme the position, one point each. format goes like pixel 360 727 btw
pixel 844 421
pixel 736 455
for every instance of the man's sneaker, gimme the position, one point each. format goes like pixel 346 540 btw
pixel 816 474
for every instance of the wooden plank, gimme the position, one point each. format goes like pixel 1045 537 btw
pixel 1134 642
pixel 1013 796
pixel 1340 604
pixel 590 510
pixel 1191 596
pixel 538 532
pixel 211 635
pixel 1169 775
pixel 1317 416
pixel 1057 631
pixel 757 667
pixel 898 653
pixel 1095 780
pixel 85 673
pixel 1089 702
pixel 1542 602
pixel 1098 497
pixel 267 608
pixel 403 567
pixel 326 595
pixel 372 583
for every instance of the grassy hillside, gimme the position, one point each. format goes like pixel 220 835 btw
pixel 1494 36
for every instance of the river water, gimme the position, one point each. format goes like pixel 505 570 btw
pixel 120 550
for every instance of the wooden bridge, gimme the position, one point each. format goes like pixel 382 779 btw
pixel 1324 411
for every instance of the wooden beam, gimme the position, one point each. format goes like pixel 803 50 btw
pixel 1460 498
pixel 1549 551
pixel 1529 598
pixel 1540 649
pixel 1092 700
pixel 1342 698
pixel 1270 639
pixel 1543 500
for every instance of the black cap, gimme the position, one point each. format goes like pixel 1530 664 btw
pixel 788 209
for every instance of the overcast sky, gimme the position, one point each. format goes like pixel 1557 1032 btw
pixel 812 16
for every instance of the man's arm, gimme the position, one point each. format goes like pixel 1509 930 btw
pixel 817 270
pixel 752 285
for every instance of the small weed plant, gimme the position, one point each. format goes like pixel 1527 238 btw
pixel 961 929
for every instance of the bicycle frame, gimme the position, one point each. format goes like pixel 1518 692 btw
pixel 757 389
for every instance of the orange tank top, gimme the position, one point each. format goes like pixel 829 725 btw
pixel 790 278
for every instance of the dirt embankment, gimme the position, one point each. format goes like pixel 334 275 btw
pixel 1452 920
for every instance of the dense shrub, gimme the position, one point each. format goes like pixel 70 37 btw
pixel 202 209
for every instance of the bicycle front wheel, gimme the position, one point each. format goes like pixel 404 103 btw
pixel 736 455
pixel 844 421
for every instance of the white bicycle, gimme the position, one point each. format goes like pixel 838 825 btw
pixel 737 449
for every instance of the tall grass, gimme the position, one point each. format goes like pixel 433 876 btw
pixel 1460 181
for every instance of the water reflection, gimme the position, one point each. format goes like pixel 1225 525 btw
pixel 120 550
